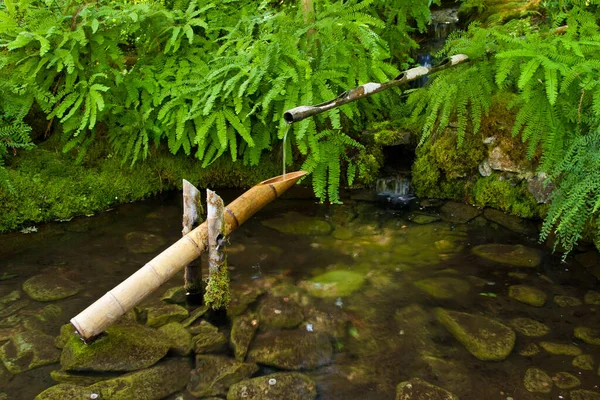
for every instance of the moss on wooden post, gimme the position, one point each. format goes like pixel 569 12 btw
pixel 217 289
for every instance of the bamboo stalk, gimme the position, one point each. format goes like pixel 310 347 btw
pixel 369 89
pixel 217 289
pixel 105 311
pixel 192 209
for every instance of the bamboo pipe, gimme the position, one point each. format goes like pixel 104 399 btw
pixel 105 311
pixel 302 112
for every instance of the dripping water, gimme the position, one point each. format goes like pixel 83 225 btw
pixel 287 129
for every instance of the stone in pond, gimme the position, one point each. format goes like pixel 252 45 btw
pixel 208 339
pixel 124 348
pixel 295 223
pixel 10 298
pixel 279 313
pixel 485 338
pixel 528 295
pixel 215 374
pixel 560 349
pixel 592 297
pixel 332 322
pixel 66 331
pixel 567 301
pixel 418 389
pixel 179 338
pixel 153 383
pixel 459 213
pixel 159 316
pixel 537 381
pixel 175 295
pixel 584 361
pixel 444 287
pixel 588 335
pixel 47 287
pixel 423 219
pixel 529 327
pixel 582 394
pixel 342 233
pixel 241 298
pixel 278 386
pixel 243 329
pixel 291 350
pixel 510 222
pixel 530 350
pixel 564 380
pixel 28 350
pixel 518 256
pixel 143 242
pixel 338 283
pixel 80 378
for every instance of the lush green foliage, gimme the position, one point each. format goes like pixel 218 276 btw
pixel 555 77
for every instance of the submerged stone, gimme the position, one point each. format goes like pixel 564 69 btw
pixel 28 350
pixel 79 378
pixel 423 219
pixel 592 297
pixel 175 295
pixel 277 386
pixel 241 298
pixel 291 350
pixel 139 242
pixel 510 222
pixel 529 327
pixel 9 298
pixel 528 295
pixel 333 323
pixel 47 287
pixel 537 381
pixel 339 283
pixel 124 348
pixel 459 213
pixel 530 350
pixel 561 349
pixel 418 389
pixel 66 331
pixel 564 380
pixel 243 329
pixel 164 314
pixel 581 394
pixel 584 361
pixel 215 374
pixel 295 223
pixel 342 233
pixel 567 301
pixel 485 338
pixel 588 335
pixel 179 338
pixel 279 313
pixel 444 287
pixel 518 256
pixel 208 339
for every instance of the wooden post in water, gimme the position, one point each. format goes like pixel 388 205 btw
pixel 192 209
pixel 217 289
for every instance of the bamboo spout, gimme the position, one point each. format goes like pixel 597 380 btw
pixel 105 311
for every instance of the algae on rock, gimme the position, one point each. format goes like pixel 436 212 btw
pixel 277 386
pixel 214 375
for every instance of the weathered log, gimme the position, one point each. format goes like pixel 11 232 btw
pixel 217 288
pixel 368 89
pixel 192 209
pixel 105 311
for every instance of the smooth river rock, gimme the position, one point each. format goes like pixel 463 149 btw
pixel 444 287
pixel 529 327
pixel 510 222
pixel 565 380
pixel 567 301
pixel 295 223
pixel 279 313
pixel 588 335
pixel 514 255
pixel 339 283
pixel 278 386
pixel 584 362
pixel 243 329
pixel 418 389
pixel 28 350
pixel 560 349
pixel 459 213
pixel 50 287
pixel 582 394
pixel 537 381
pixel 214 375
pixel 528 295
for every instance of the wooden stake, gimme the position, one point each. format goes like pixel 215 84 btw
pixel 217 289
pixel 192 209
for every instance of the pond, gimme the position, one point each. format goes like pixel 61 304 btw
pixel 474 308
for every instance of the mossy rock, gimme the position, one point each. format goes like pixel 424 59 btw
pixel 28 350
pixel 485 338
pixel 444 287
pixel 66 331
pixel 423 219
pixel 278 386
pixel 511 222
pixel 418 389
pixel 537 381
pixel 584 362
pixel 592 297
pixel 560 349
pixel 567 301
pixel 294 223
pixel 153 383
pixel 179 338
pixel 50 287
pixel 139 242
pixel 208 339
pixel 529 327
pixel 514 255
pixel 528 295
pixel 79 378
pixel 291 350
pixel 530 350
pixel 215 374
pixel 175 295
pixel 164 314
pixel 279 313
pixel 459 213
pixel 332 322
pixel 123 348
pixel 241 298
pixel 581 394
pixel 342 233
pixel 243 329
pixel 338 283
pixel 565 380
pixel 588 335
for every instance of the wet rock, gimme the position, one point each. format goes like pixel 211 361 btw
pixel 560 348
pixel 529 327
pixel 567 301
pixel 528 295
pixel 485 338
pixel 175 295
pixel 584 361
pixel 295 223
pixel 279 313
pixel 477 281
pixel 588 335
pixel 215 374
pixel 459 213
pixel 539 189
pixel 518 275
pixel 485 169
pixel 153 383
pixel 449 374
pixel 164 314
pixel 582 394
pixel 9 298
pixel 241 298
pixel 530 350
pixel 444 287
pixel 332 323
pixel 179 338
pixel 289 289
pixel 66 331
pixel 499 160
pixel 124 348
pixel 342 233
pixel 589 259
pixel 510 222
pixel 6 276
pixel 143 242
pixel 339 283
pixel 79 378
pixel 49 287
pixel 291 350
pixel 418 389
pixel 537 381
pixel 518 256
pixel 194 315
pixel 423 219
pixel 28 350
pixel 564 380
pixel 208 339
pixel 243 329
pixel 281 385
pixel 592 297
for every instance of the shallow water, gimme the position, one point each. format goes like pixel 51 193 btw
pixel 392 334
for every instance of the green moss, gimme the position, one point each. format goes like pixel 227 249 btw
pixel 217 293
pixel 506 196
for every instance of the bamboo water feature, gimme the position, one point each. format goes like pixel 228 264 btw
pixel 109 308
pixel 192 208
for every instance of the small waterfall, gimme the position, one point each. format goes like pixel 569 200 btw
pixel 394 192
